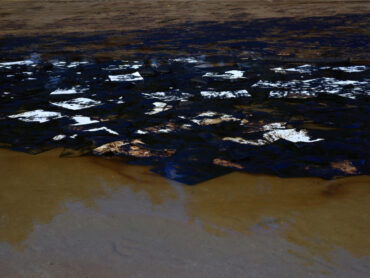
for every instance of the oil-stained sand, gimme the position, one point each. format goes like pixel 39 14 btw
pixel 76 27
pixel 40 17
pixel 95 217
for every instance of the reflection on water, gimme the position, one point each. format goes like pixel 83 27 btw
pixel 309 212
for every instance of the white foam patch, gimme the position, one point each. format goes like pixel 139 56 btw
pixel 240 140
pixel 311 87
pixel 225 94
pixel 16 63
pixel 124 66
pixel 163 130
pixel 71 91
pixel 103 129
pixel 276 131
pixel 273 126
pixel 168 96
pixel 290 135
pixel 189 60
pixel 208 114
pixel 211 118
pixel 139 131
pixel 231 74
pixel 133 66
pixel 299 69
pixel 226 117
pixel 59 137
pixel 126 77
pixel 75 64
pixel 83 120
pixel 77 103
pixel 159 107
pixel 39 115
pixel 352 68
pixel 59 63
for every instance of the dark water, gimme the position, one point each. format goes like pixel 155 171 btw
pixel 197 101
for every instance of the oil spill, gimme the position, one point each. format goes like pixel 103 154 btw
pixel 196 98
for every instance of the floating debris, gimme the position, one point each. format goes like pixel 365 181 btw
pixel 159 107
pixel 299 69
pixel 345 166
pixel 76 64
pixel 231 74
pixel 168 96
pixel 225 94
pixel 312 87
pixel 352 68
pixel 189 60
pixel 16 63
pixel 71 91
pixel 59 137
pixel 276 131
pixel 77 103
pixel 126 77
pixel 134 148
pixel 225 163
pixel 83 120
pixel 213 118
pixel 39 115
pixel 102 129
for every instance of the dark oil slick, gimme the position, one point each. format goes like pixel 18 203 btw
pixel 197 101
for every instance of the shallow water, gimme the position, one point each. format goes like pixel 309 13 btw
pixel 100 217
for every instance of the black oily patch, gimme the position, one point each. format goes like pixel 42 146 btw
pixel 338 114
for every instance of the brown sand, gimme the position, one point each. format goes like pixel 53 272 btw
pixel 95 217
pixel 26 17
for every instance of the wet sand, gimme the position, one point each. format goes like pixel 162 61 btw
pixel 97 217
pixel 25 17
